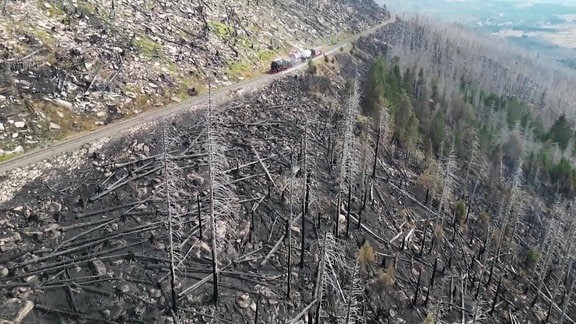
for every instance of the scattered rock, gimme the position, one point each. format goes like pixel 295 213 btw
pixel 9 236
pixel 130 94
pixel 64 103
pixel 17 150
pixel 99 267
pixel 54 126
pixel 155 293
pixel 243 301
pixel 33 280
pixel 15 310
pixel 3 271
pixel 106 313
pixel 140 309
pixel 124 288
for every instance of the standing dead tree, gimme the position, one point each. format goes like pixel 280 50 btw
pixel 172 195
pixel 221 193
pixel 552 237
pixel 354 295
pixel 339 302
pixel 173 211
pixel 349 164
pixel 222 204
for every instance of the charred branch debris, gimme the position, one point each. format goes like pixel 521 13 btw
pixel 129 232
pixel 68 66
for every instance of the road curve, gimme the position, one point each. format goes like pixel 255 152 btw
pixel 116 129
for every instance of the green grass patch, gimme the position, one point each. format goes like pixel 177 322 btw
pixel 43 36
pixel 266 55
pixel 149 47
pixel 240 70
pixel 54 11
pixel 87 8
pixel 7 157
pixel 255 28
pixel 222 30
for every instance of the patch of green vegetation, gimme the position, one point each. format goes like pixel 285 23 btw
pixel 255 28
pixel 222 30
pixel 239 70
pixel 266 55
pixel 55 11
pixel 7 157
pixel 149 47
pixel 43 36
pixel 172 68
pixel 183 86
pixel 87 8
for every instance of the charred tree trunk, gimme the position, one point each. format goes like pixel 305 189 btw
pixel 199 217
pixel 376 152
pixel 417 288
pixel 348 210
pixel 495 296
pixel 304 214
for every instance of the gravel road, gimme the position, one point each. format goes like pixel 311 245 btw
pixel 119 128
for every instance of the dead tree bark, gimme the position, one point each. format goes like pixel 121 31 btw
pixel 199 216
pixel 211 176
pixel 306 186
pixel 495 296
pixel 348 210
pixel 170 224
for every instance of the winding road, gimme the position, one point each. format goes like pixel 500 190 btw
pixel 119 128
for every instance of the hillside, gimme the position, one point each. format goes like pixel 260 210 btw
pixel 421 176
pixel 543 27
pixel 70 66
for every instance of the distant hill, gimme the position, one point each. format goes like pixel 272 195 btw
pixel 547 27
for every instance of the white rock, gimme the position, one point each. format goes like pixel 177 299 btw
pixel 2 152
pixel 99 267
pixel 3 271
pixel 54 126
pixel 18 149
pixel 1 127
pixel 2 98
pixel 15 135
pixel 243 301
pixel 101 114
pixel 61 115
pixel 63 103
pixel 19 124
pixel 131 95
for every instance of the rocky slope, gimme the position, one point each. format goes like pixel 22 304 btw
pixel 68 66
pixel 86 237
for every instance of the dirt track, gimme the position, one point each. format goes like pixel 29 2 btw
pixel 118 128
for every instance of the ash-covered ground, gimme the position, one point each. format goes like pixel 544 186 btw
pixel 92 237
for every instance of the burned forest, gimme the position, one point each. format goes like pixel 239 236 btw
pixel 367 189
